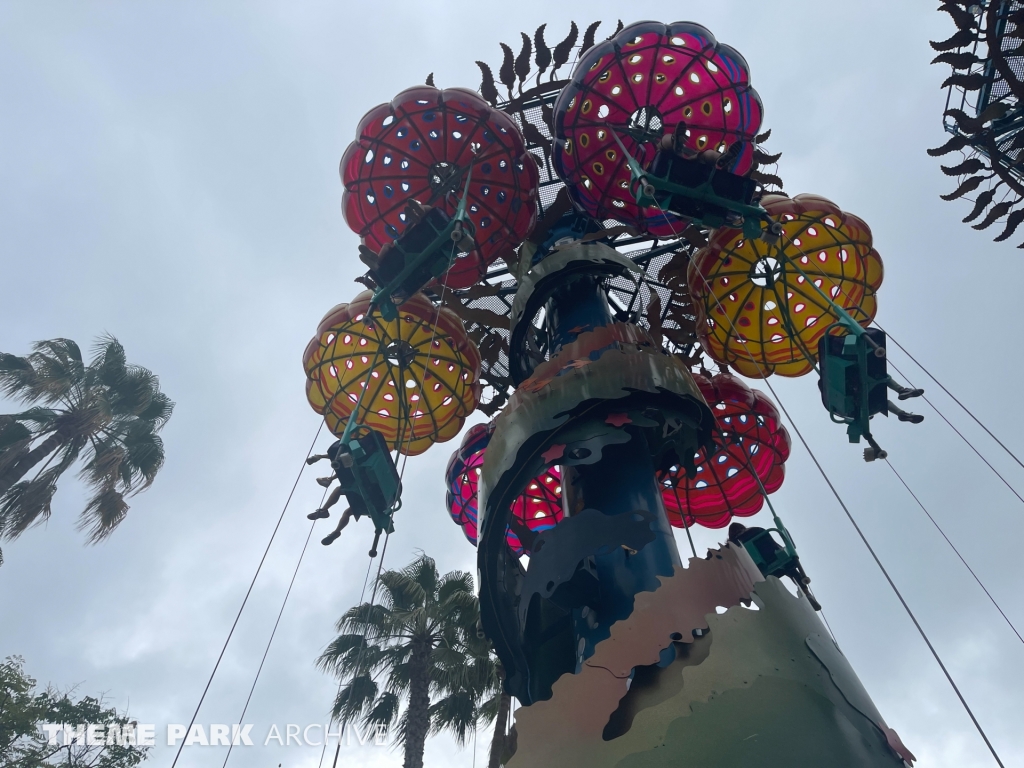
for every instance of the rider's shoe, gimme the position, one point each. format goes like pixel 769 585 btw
pixel 330 538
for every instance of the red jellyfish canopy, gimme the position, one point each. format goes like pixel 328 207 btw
pixel 639 85
pixel 750 439
pixel 420 146
pixel 537 509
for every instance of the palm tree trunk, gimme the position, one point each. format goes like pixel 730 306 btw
pixel 498 739
pixel 419 703
pixel 33 457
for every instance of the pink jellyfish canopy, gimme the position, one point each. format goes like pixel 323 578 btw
pixel 637 86
pixel 420 147
pixel 537 509
pixel 751 444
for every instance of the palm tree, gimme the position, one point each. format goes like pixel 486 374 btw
pixel 417 637
pixel 106 413
pixel 472 684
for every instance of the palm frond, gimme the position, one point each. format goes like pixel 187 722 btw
pixel 15 439
pixel 456 714
pixel 105 510
pixel 384 710
pixel 39 419
pixel 159 410
pixel 399 677
pixel 58 367
pixel 354 698
pixel 341 646
pixel 350 655
pixel 373 621
pixel 18 379
pixel 133 393
pixel 488 709
pixel 454 585
pixel 129 458
pixel 402 589
pixel 103 468
pixel 423 571
pixel 27 503
pixel 109 361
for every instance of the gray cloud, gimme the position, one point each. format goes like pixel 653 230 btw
pixel 170 175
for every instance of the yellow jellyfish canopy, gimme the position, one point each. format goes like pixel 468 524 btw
pixel 761 309
pixel 419 372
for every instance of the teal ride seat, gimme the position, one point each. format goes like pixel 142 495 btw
pixel 424 252
pixel 369 478
pixel 768 556
pixel 703 193
pixel 699 191
pixel 854 379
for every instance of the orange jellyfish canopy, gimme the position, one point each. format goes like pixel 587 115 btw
pixel 751 445
pixel 760 308
pixel 420 372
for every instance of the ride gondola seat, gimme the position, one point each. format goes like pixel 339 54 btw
pixel 426 250
pixel 702 178
pixel 368 478
pixel 854 378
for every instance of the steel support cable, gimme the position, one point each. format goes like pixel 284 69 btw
pixel 929 402
pixel 387 537
pixel 892 584
pixel 248 592
pixel 953 398
pixel 953 547
pixel 362 594
pixel 270 640
pixel 860 533
pixel 972 447
pixel 962 436
pixel 387 534
pixel 373 596
pixel 829 627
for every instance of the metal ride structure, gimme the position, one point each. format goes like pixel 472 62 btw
pixel 985 110
pixel 570 257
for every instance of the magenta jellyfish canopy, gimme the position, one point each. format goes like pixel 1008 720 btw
pixel 637 86
pixel 536 509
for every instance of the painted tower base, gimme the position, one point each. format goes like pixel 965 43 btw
pixel 682 684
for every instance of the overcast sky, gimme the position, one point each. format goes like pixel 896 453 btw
pixel 169 175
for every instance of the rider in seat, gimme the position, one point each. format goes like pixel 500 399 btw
pixel 366 476
pixel 323 512
pixel 774 559
pixel 852 364
pixel 704 170
pixel 392 269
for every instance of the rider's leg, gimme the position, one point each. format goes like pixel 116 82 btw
pixel 333 535
pixel 904 393
pixel 902 415
pixel 331 501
